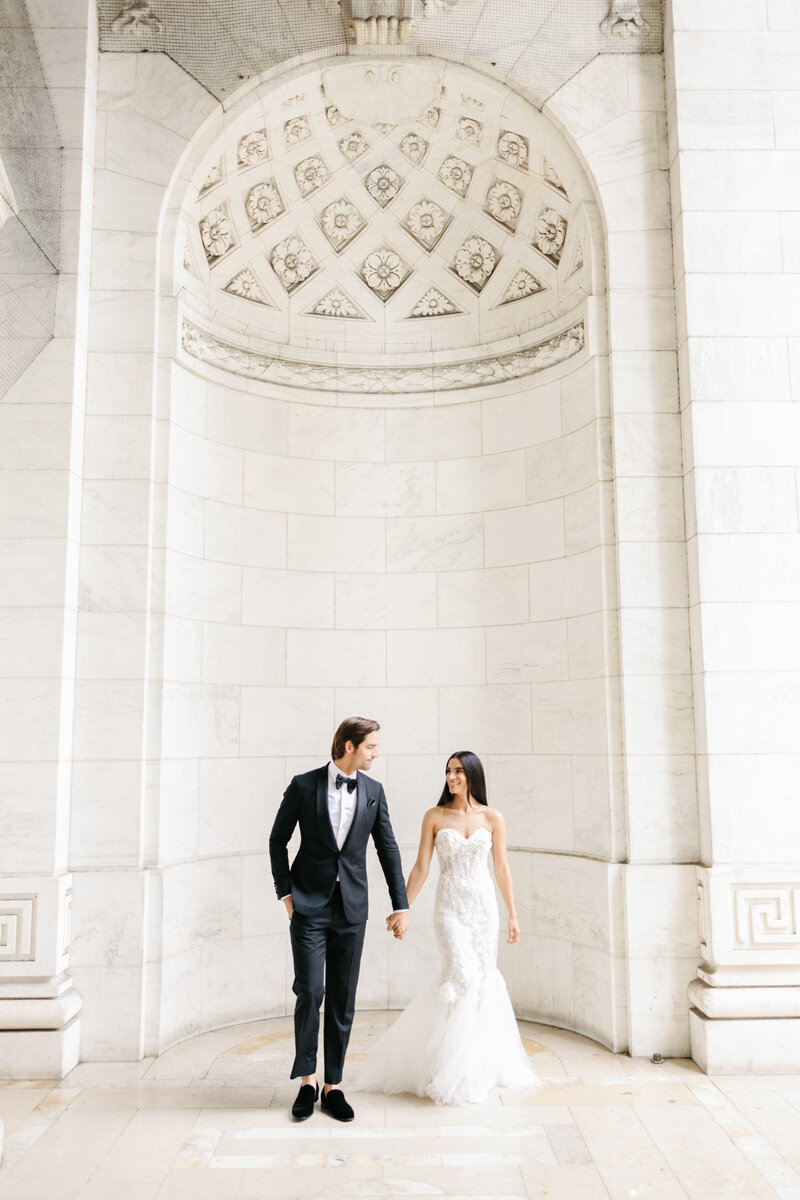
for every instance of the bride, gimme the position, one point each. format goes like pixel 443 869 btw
pixel 458 1038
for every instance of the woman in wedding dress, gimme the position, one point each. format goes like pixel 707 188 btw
pixel 458 1037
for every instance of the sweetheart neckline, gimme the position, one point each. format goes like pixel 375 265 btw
pixel 449 829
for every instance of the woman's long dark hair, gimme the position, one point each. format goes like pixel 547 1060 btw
pixel 476 780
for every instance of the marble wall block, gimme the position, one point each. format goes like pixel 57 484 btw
pixel 530 533
pixel 527 653
pixel 481 484
pixel 293 485
pixel 562 466
pixel 336 543
pixel 235 418
pixel 435 543
pixel 245 536
pixel 247 655
pixel 280 721
pixel 200 719
pixel 320 658
pixel 433 434
pixel 425 657
pixel 287 599
pixel 534 793
pixel 471 715
pixel 524 419
pixel 493 596
pixel 390 601
pixel 570 717
pixel 387 489
pixel 409 717
pixel 345 435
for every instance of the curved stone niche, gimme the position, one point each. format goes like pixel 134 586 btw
pixel 460 222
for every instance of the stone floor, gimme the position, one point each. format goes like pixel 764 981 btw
pixel 208 1120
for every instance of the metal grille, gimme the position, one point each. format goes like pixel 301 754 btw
pixel 223 43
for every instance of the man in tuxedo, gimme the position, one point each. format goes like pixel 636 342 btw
pixel 325 892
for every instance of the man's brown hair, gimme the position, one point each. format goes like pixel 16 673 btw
pixel 352 729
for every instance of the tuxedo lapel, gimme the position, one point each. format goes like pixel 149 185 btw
pixel 361 806
pixel 323 814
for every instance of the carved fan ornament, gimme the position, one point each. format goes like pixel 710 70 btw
pixel 137 17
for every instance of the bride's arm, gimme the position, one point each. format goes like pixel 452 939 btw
pixel 419 872
pixel 502 873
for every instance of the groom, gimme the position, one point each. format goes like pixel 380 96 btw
pixel 325 893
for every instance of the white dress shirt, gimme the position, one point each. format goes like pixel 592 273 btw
pixel 341 804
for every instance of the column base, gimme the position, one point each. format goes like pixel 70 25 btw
pixel 747 1046
pixel 40 1053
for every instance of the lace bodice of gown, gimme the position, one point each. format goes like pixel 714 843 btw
pixel 465 912
pixel 458 1037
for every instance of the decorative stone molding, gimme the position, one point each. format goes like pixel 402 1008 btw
pixel 456 175
pixel 353 145
pixel 504 203
pixel 625 20
pixel 426 221
pixel 216 233
pixel 383 183
pixel 513 148
pixel 136 18
pixel 414 147
pixel 338 377
pixel 434 303
pixel 475 261
pixel 311 174
pixel 384 271
pixel 336 303
pixel 381 31
pixel 264 204
pixel 749 919
pixel 522 285
pixel 292 262
pixel 34 926
pixel 247 286
pixel 341 222
pixel 549 234
pixel 383 92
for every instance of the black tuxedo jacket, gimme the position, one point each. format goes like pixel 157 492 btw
pixel 312 875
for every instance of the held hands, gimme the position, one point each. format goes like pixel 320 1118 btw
pixel 514 931
pixel 287 900
pixel 397 924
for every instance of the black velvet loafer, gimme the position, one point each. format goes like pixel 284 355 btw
pixel 334 1103
pixel 303 1106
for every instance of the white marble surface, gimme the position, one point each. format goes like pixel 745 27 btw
pixel 504 567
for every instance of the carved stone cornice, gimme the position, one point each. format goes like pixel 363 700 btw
pixel 389 380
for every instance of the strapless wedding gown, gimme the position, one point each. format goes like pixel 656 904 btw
pixel 458 1037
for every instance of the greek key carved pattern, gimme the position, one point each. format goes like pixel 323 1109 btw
pixel 766 916
pixel 18 928
pixel 388 380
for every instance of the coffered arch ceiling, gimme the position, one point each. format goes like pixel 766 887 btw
pixel 461 219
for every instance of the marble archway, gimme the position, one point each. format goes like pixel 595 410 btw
pixel 386 433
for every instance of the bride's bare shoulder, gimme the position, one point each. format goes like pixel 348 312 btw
pixel 494 816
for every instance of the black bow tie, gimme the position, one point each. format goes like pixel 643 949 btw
pixel 351 783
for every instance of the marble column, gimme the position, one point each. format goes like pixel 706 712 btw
pixel 734 138
pixel 42 423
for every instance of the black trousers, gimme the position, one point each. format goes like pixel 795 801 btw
pixel 326 948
